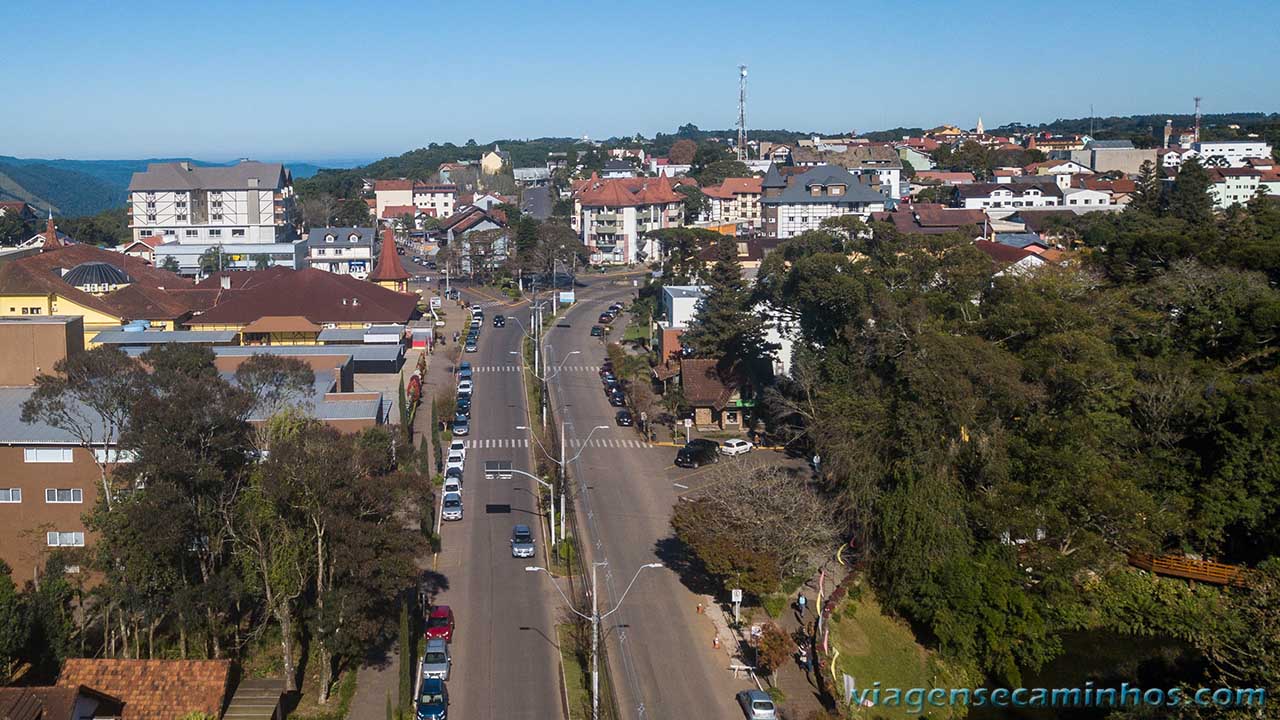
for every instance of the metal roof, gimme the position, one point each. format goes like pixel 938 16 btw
pixel 160 337
pixel 1110 145
pixel 797 191
pixel 15 432
pixel 96 273
pixel 317 236
pixel 185 176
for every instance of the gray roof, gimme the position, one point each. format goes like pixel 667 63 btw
pixel 96 273
pixel 797 192
pixel 361 335
pixel 981 190
pixel 773 178
pixel 15 432
pixel 360 353
pixel 1110 145
pixel 160 337
pixel 185 176
pixel 531 173
pixel 683 291
pixel 316 236
pixel 1019 240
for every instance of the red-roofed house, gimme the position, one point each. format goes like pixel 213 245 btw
pixel 736 200
pixel 154 689
pixel 143 248
pixel 1010 260
pixel 612 215
pixel 392 192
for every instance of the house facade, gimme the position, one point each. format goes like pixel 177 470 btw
pixel 987 196
pixel 612 216
pixel 1237 186
pixel 736 200
pixel 436 200
pixel 802 201
pixel 345 250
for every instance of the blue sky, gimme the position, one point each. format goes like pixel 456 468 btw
pixel 327 79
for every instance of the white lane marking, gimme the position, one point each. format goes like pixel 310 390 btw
pixel 682 487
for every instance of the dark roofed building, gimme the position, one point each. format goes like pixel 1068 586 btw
pixel 719 398
pixel 988 196
pixel 931 219
pixel 815 195
pixel 91 276
pixel 57 703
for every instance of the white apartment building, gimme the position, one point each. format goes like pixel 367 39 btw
pixel 391 193
pixel 436 200
pixel 612 215
pixel 1237 186
pixel 1085 197
pixel 680 304
pixel 1230 153
pixel 800 203
pixel 342 251
pixel 984 196
pixel 246 203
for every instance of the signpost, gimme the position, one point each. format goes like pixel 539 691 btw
pixel 736 595
pixel 688 423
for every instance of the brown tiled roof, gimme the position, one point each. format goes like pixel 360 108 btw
pixel 317 295
pixel 943 176
pixel 628 192
pixel 1001 253
pixel 930 219
pixel 469 217
pixel 705 385
pixel 394 212
pixel 392 185
pixel 51 702
pixel 389 267
pixel 154 689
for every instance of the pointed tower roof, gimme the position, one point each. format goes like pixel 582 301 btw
pixel 51 239
pixel 389 267
pixel 981 130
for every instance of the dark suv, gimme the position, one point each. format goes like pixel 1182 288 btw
pixel 698 452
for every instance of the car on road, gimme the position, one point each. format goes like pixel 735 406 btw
pixel 451 509
pixel 471 346
pixel 453 473
pixel 736 446
pixel 417 259
pixel 452 485
pixel 433 700
pixel 623 418
pixel 757 705
pixel 608 377
pixel 597 331
pixel 522 542
pixel 457 460
pixel 465 386
pixel 605 318
pixel 698 452
pixel 499 320
pixel 440 623
pixel 617 399
pixel 464 366
pixel 458 446
pixel 436 661
pixel 461 428
pixel 465 373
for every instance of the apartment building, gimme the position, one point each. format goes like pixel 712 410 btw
pixel 246 203
pixel 1237 186
pixel 612 215
pixel 437 200
pixel 341 250
pixel 795 203
pixel 1230 153
pixel 986 196
pixel 736 200
pixel 880 163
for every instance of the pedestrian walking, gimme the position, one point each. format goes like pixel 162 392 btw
pixel 800 605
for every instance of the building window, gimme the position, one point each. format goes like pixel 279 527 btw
pixel 151 217
pixel 193 233
pixel 216 216
pixel 63 495
pixel 182 218
pixel 10 495
pixel 46 455
pixel 65 539
pixel 237 232
pixel 151 205
pixel 215 232
pixel 216 204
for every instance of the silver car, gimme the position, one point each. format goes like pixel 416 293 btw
pixel 436 661
pixel 757 705
pixel 522 542
pixel 452 509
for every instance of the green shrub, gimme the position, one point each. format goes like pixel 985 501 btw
pixel 774 604
pixel 777 695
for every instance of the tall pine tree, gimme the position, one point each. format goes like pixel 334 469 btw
pixel 726 327
pixel 1146 194
pixel 1189 198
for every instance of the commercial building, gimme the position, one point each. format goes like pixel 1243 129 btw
pixel 249 203
pixel 341 250
pixel 793 204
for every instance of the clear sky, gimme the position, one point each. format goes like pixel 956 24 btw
pixel 330 79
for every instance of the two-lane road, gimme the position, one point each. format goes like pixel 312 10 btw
pixel 659 649
pixel 505 661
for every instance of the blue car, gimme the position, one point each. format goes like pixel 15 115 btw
pixel 433 700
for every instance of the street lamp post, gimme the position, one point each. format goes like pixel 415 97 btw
pixel 551 490
pixel 563 463
pixel 595 617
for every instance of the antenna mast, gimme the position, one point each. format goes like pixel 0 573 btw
pixel 1197 118
pixel 742 113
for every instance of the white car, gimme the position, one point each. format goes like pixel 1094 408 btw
pixel 735 447
pixel 465 387
pixel 452 509
pixel 458 447
pixel 451 485
pixel 456 460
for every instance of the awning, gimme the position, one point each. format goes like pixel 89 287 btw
pixel 281 324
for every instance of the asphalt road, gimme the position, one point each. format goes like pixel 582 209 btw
pixel 659 648
pixel 537 202
pixel 505 662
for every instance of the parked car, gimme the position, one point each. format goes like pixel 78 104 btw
pixel 453 473
pixel 465 366
pixel 465 386
pixel 452 506
pixel 617 399
pixel 499 321
pixel 440 623
pixel 608 377
pixel 597 331
pixel 457 460
pixel 436 661
pixel 433 700
pixel 757 705
pixel 605 318
pixel 735 446
pixel 698 452
pixel 465 373
pixel 617 307
pixel 606 368
pixel 461 428
pixel 611 386
pixel 471 346
pixel 458 446
pixel 452 485
pixel 522 542
pixel 623 418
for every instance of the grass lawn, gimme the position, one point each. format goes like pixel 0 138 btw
pixel 575 676
pixel 874 646
pixel 635 332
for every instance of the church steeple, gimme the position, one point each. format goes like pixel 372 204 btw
pixel 981 130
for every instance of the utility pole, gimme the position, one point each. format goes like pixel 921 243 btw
pixel 1198 98
pixel 742 113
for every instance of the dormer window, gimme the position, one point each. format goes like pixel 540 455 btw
pixel 329 238
pixel 833 190
pixel 354 238
pixel 815 190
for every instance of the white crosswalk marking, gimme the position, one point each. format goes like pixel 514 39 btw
pixel 494 443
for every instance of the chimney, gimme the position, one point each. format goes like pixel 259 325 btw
pixel 1168 132
pixel 253 182
pixel 225 282
pixel 185 165
pixel 337 379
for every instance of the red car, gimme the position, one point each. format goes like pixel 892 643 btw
pixel 440 623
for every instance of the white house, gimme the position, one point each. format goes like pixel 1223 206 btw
pixel 1084 196
pixel 800 203
pixel 343 251
pixel 1230 153
pixel 680 304
pixel 982 196
pixel 436 200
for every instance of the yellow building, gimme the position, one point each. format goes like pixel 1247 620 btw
pixel 491 162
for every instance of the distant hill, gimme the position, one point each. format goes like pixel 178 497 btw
pixel 86 187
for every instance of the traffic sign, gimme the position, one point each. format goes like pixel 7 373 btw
pixel 736 595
